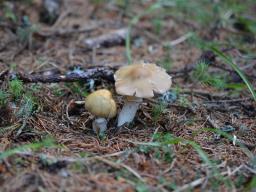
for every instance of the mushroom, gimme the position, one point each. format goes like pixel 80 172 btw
pixel 101 104
pixel 138 81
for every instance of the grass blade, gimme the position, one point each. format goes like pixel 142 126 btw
pixel 134 21
pixel 229 61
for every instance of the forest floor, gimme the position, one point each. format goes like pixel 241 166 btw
pixel 200 137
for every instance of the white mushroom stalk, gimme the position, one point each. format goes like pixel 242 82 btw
pixel 99 125
pixel 128 111
pixel 101 104
pixel 139 81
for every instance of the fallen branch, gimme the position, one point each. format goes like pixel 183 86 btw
pixel 97 72
pixel 113 38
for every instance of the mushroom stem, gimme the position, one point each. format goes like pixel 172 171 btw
pixel 128 111
pixel 99 126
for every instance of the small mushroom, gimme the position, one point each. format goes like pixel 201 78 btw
pixel 101 104
pixel 138 81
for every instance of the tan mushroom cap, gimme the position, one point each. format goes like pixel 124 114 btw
pixel 142 80
pixel 101 104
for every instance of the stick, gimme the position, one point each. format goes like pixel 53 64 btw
pixel 180 39
pixel 97 72
pixel 113 38
pixel 66 32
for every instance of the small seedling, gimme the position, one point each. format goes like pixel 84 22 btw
pixel 230 62
pixel 157 111
pixel 57 90
pixel 201 74
pixel 141 187
pixel 159 149
pixel 166 62
pixel 46 143
pixel 76 88
pixel 3 98
pixel 9 13
pixel 27 107
pixel 183 101
pixel 25 32
pixel 158 24
pixel 16 88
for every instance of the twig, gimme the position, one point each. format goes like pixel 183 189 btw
pixel 230 100
pixel 65 32
pixel 180 39
pixel 211 122
pixel 67 109
pixel 8 129
pixel 113 38
pixel 250 169
pixel 190 185
pixel 24 123
pixel 155 132
pixel 170 168
pixel 242 142
pixel 97 72
pixel 132 171
pixel 204 93
pixel 119 165
pixel 231 70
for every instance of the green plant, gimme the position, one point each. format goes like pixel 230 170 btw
pixel 141 187
pixel 158 148
pixel 183 101
pixel 157 111
pixel 133 22
pixel 246 24
pixel 58 91
pixel 252 184
pixel 16 88
pixel 25 31
pixel 230 62
pixel 3 98
pixel 166 62
pixel 158 25
pixel 215 176
pixel 27 107
pixel 229 137
pixel 46 143
pixel 9 13
pixel 201 74
pixel 76 88
pixel 97 2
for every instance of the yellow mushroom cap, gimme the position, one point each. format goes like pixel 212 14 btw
pixel 101 104
pixel 142 80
